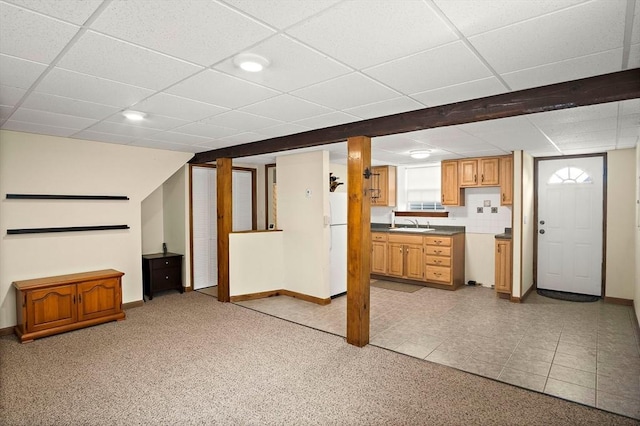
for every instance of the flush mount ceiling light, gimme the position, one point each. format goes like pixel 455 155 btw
pixel 420 155
pixel 250 62
pixel 134 115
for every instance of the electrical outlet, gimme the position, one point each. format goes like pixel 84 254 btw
pixel 479 210
pixel 494 210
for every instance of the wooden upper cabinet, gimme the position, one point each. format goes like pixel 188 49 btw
pixel 506 181
pixel 479 172
pixel 451 193
pixel 383 186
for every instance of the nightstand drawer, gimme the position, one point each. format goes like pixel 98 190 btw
pixel 166 262
pixel 165 279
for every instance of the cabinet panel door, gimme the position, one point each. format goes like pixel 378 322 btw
pixel 395 259
pixel 468 172
pixel 506 181
pixel 503 266
pixel 380 177
pixel 489 171
pixel 98 298
pixel 449 184
pixel 379 257
pixel 51 307
pixel 415 259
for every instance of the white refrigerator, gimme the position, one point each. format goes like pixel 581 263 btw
pixel 338 242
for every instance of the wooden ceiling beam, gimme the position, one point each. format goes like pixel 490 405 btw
pixel 613 87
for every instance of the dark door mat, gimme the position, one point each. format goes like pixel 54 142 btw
pixel 571 297
pixel 390 285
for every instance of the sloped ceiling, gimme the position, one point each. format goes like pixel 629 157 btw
pixel 69 68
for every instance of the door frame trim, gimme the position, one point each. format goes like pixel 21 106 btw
pixel 536 160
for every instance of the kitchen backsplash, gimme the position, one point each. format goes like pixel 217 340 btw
pixel 468 216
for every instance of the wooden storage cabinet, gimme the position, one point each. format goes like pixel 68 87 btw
pixel 383 186
pixel 405 256
pixel 161 272
pixel 47 306
pixel 378 253
pixel 503 266
pixel 479 172
pixel 444 260
pixel 452 195
pixel 506 181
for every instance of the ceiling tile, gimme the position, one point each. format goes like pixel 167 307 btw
pixel 571 141
pixel 51 119
pixel 9 96
pixel 219 89
pixel 122 129
pixel 346 92
pixel 74 85
pixel 5 112
pixel 635 32
pixel 103 56
pixel 559 129
pixel 241 120
pixel 151 121
pixel 205 130
pixel 473 17
pixel 461 92
pixel 292 65
pixel 634 56
pixel 203 32
pixel 630 106
pixel 103 137
pixel 398 143
pixel 74 11
pixel 20 73
pixel 286 108
pixel 177 107
pixel 32 36
pixel 388 107
pixel 572 115
pixel 433 69
pixel 282 130
pixel 41 129
pixel 595 28
pixel 571 69
pixel 60 105
pixel 151 143
pixel 327 120
pixel 348 31
pixel 281 13
pixel 179 138
pixel 239 138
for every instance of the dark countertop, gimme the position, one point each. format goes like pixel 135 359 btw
pixel 506 235
pixel 439 230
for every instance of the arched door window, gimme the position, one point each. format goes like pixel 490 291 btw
pixel 569 175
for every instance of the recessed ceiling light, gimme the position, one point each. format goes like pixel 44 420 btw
pixel 420 155
pixel 251 62
pixel 134 115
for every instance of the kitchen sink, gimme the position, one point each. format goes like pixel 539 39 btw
pixel 411 229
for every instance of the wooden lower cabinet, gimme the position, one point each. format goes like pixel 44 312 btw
pixel 47 306
pixel 378 253
pixel 444 260
pixel 503 266
pixel 405 256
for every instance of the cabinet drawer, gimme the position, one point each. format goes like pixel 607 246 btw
pixel 438 251
pixel 166 262
pixel 438 241
pixel 378 236
pixel 164 279
pixel 439 274
pixel 438 260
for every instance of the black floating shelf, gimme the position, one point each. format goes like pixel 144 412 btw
pixel 64 197
pixel 65 229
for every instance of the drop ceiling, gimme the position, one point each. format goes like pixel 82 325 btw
pixel 69 68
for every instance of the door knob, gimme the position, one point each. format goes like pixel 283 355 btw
pixel 542 222
pixel 542 231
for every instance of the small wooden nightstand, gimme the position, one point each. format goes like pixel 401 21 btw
pixel 161 272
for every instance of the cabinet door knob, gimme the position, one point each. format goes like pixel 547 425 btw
pixel 166 263
pixel 167 277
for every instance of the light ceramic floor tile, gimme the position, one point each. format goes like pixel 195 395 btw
pixel 618 404
pixel 452 359
pixel 571 375
pixel 523 379
pixel 482 368
pixel 570 391
pixel 417 350
pixel 579 362
pixel 540 368
pixel 626 387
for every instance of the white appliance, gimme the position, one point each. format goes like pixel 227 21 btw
pixel 338 242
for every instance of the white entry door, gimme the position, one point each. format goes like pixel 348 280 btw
pixel 205 219
pixel 570 214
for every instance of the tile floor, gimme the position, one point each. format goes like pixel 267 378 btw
pixel 584 352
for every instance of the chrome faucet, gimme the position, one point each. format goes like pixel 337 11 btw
pixel 414 221
pixel 428 226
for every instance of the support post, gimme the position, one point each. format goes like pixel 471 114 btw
pixel 225 225
pixel 358 240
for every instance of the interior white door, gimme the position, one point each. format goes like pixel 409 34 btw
pixel 570 213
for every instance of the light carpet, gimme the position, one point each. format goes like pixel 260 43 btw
pixel 187 359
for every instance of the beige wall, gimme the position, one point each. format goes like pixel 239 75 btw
pixel 517 231
pixel 152 222
pixel 621 211
pixel 264 252
pixel 528 225
pixel 636 297
pixel 40 164
pixel 301 218
pixel 479 258
pixel 175 207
